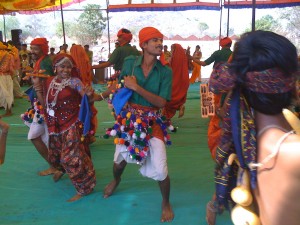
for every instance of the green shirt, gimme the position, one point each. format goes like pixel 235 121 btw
pixel 46 64
pixel 119 54
pixel 219 56
pixel 158 82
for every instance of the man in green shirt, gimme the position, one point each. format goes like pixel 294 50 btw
pixel 221 55
pixel 145 142
pixel 38 133
pixel 119 54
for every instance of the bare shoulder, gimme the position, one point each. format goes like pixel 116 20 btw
pixel 290 151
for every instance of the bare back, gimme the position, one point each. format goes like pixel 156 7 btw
pixel 278 181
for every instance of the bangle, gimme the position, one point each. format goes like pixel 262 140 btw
pixel 102 96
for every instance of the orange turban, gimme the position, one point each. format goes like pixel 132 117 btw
pixel 225 41
pixel 125 35
pixel 43 43
pixel 148 33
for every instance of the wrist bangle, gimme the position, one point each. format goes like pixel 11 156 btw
pixel 102 96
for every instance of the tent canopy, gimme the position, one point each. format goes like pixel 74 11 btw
pixel 33 6
pixel 180 5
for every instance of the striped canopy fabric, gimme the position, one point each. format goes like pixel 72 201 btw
pixel 33 6
pixel 180 5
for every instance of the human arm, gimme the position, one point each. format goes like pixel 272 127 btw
pixel 201 63
pixel 131 83
pixel 38 86
pixel 102 65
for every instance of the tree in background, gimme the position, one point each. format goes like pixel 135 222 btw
pixel 70 29
pixel 266 23
pixel 11 22
pixel 91 24
pixel 292 18
pixel 36 26
pixel 202 27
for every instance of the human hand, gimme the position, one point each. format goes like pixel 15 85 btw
pixel 130 82
pixel 88 90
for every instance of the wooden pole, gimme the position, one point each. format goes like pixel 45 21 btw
pixel 63 22
pixel 253 14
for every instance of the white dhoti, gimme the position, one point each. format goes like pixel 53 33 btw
pixel 6 91
pixel 16 86
pixel 155 164
pixel 36 130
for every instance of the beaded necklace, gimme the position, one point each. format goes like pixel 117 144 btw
pixel 54 90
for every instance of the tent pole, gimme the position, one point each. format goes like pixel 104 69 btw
pixel 253 14
pixel 228 16
pixel 4 28
pixel 62 20
pixel 107 18
pixel 108 31
pixel 221 13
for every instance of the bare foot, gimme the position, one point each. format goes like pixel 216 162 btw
pixel 4 127
pixel 211 213
pixel 57 175
pixel 92 139
pixel 47 172
pixel 6 114
pixel 167 214
pixel 181 111
pixel 75 198
pixel 110 188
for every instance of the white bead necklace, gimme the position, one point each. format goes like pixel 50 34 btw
pixel 53 90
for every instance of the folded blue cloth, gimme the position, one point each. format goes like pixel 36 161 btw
pixel 120 99
pixel 85 114
pixel 31 94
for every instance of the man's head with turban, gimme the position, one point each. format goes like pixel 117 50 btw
pixel 225 42
pixel 39 47
pixel 124 36
pixel 148 33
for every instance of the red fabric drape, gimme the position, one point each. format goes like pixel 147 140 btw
pixel 180 84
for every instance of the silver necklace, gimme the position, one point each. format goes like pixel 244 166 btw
pixel 53 90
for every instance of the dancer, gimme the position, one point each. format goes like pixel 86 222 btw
pixel 68 152
pixel 262 78
pixel 3 136
pixel 119 54
pixel 151 83
pixel 180 84
pixel 38 133
pixel 6 82
pixel 196 74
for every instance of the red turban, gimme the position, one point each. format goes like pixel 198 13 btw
pixel 225 41
pixel 43 43
pixel 126 36
pixel 148 33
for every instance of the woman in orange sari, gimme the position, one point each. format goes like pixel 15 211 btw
pixel 85 70
pixel 180 81
pixel 196 74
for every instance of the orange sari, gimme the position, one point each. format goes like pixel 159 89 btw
pixel 83 64
pixel 180 81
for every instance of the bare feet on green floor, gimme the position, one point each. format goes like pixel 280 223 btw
pixel 181 111
pixel 110 188
pixel 75 198
pixel 57 175
pixel 167 214
pixel 4 127
pixel 211 213
pixel 47 172
pixel 6 114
